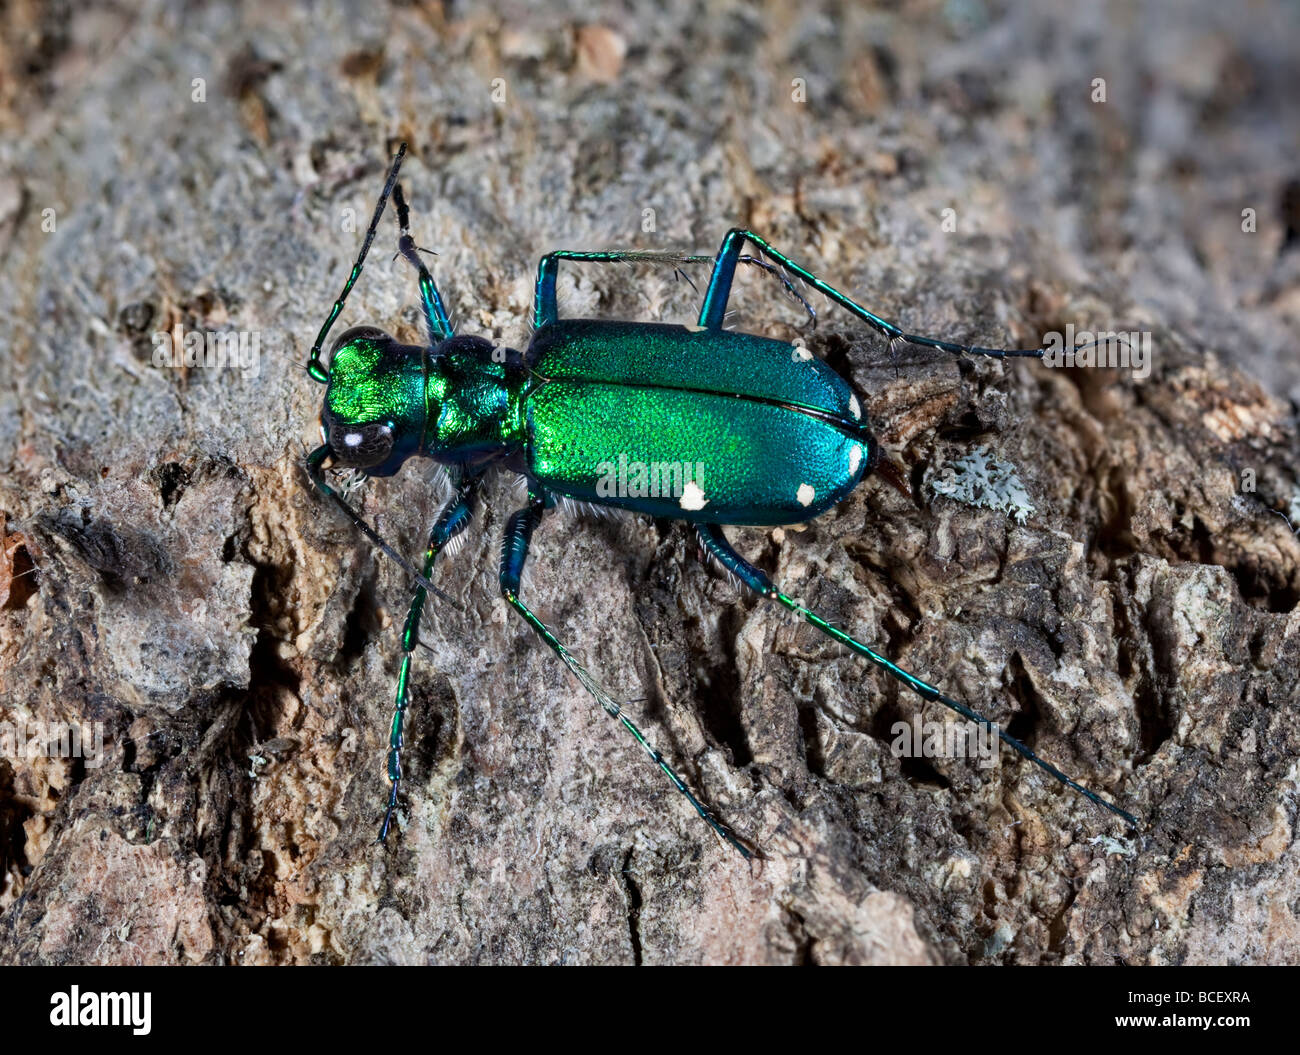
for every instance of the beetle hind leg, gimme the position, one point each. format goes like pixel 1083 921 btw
pixel 716 544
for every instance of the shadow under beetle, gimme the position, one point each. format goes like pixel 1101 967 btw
pixel 782 437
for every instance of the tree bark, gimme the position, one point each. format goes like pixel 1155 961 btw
pixel 168 578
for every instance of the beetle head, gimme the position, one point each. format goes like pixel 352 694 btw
pixel 375 411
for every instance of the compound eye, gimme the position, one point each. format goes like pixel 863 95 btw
pixel 360 446
pixel 368 333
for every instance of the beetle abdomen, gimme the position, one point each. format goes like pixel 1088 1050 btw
pixel 715 427
pixel 688 357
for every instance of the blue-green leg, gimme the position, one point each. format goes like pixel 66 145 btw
pixel 435 312
pixel 714 310
pixel 514 553
pixel 453 519
pixel 716 544
pixel 545 308
pixel 315 465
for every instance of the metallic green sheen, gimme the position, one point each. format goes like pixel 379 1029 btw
pixel 474 401
pixel 707 426
pixel 374 379
pixel 612 405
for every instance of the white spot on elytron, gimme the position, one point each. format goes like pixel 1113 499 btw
pixel 855 408
pixel 855 457
pixel 352 439
pixel 692 497
pixel 801 353
pixel 805 494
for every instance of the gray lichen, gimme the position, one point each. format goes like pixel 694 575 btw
pixel 985 481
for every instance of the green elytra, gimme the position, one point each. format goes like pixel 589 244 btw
pixel 717 428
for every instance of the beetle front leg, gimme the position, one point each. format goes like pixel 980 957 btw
pixel 453 520
pixel 435 312
pixel 514 554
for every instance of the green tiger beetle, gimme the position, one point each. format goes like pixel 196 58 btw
pixel 782 435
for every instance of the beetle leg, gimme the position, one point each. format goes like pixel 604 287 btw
pixel 514 553
pixel 715 542
pixel 545 308
pixel 714 310
pixel 453 520
pixel 315 466
pixel 435 312
pixel 779 273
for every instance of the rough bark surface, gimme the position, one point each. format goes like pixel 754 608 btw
pixel 165 572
